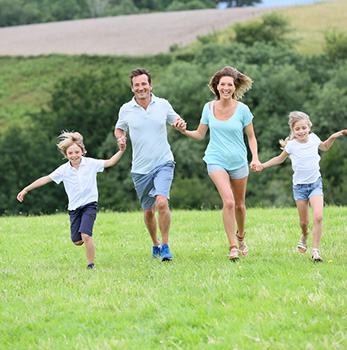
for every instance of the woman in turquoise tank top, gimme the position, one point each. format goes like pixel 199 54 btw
pixel 226 153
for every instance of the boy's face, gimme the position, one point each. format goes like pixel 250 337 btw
pixel 74 154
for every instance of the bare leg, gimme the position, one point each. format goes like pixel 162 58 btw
pixel 90 248
pixel 304 215
pixel 222 181
pixel 239 191
pixel 317 204
pixel 164 218
pixel 151 224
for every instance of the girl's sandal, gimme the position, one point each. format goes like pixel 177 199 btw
pixel 302 245
pixel 234 254
pixel 315 255
pixel 242 244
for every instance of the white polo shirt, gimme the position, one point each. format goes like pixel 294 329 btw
pixel 148 133
pixel 80 185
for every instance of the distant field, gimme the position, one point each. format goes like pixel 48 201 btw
pixel 312 21
pixel 309 23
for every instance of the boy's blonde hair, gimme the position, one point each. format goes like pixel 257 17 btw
pixel 68 138
pixel 295 117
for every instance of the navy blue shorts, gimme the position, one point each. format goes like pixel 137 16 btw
pixel 82 220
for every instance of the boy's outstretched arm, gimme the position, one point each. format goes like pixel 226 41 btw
pixel 115 158
pixel 38 183
pixel 273 161
pixel 324 146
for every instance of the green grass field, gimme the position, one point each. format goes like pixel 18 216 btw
pixel 276 298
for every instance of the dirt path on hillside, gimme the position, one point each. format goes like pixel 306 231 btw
pixel 123 35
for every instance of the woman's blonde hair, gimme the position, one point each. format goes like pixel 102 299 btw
pixel 68 138
pixel 241 81
pixel 295 117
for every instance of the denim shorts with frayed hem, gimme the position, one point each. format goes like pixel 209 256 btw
pixel 234 174
pixel 303 192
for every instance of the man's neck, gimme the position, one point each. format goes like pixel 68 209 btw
pixel 144 103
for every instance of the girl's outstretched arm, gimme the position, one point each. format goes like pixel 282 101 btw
pixel 324 146
pixel 38 183
pixel 273 161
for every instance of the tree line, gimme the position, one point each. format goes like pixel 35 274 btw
pixel 88 101
pixel 18 12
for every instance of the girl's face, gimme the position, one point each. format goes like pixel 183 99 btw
pixel 301 130
pixel 74 154
pixel 226 87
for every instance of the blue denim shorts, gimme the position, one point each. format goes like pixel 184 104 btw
pixel 303 192
pixel 234 174
pixel 82 220
pixel 156 183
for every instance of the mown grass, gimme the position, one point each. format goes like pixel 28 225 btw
pixel 276 298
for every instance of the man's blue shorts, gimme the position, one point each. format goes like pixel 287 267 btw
pixel 303 192
pixel 82 220
pixel 156 183
pixel 234 174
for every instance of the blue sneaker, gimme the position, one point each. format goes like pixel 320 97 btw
pixel 165 253
pixel 156 252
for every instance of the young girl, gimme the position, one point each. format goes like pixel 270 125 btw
pixel 79 178
pixel 302 148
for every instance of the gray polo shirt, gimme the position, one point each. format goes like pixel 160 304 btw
pixel 148 133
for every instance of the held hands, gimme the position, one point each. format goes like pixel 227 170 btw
pixel 122 143
pixel 256 166
pixel 180 125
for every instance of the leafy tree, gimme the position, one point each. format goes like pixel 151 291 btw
pixel 272 30
pixel 87 103
pixel 336 45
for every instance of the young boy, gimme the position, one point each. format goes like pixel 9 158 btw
pixel 79 178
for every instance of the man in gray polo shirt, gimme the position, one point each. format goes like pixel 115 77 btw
pixel 152 160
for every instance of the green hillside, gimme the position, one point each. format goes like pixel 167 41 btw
pixel 40 96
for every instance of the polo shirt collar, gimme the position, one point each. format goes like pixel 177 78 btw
pixel 134 103
pixel 83 162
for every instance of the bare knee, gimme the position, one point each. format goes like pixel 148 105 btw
pixel 240 206
pixel 78 242
pixel 162 203
pixel 149 213
pixel 304 224
pixel 229 203
pixel 318 218
pixel 86 238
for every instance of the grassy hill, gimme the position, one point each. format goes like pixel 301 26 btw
pixel 276 298
pixel 26 82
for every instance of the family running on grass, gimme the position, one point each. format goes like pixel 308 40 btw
pixel 153 163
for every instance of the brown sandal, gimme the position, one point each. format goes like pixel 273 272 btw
pixel 242 244
pixel 234 254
